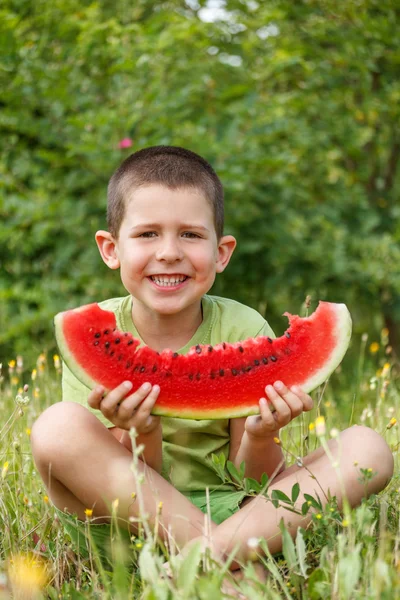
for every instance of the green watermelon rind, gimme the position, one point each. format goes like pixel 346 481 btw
pixel 342 333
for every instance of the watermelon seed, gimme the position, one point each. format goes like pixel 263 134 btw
pixel 126 334
pixel 128 364
pixel 198 376
pixel 269 339
pixel 273 358
pixel 106 331
pixel 175 354
pixel 107 344
pixel 154 369
pixel 287 334
pixel 142 369
pixel 168 374
pixel 130 342
pixel 117 341
pixel 223 345
pixel 112 353
pixel 120 357
pixel 234 372
pixel 246 369
pixel 264 360
pixel 210 348
pixel 212 375
pixel 240 349
pixel 221 372
pixel 257 362
pixel 96 343
pixel 198 349
pixel 191 376
pixel 97 335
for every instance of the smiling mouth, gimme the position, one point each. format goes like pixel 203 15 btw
pixel 168 280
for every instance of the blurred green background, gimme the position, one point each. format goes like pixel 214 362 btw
pixel 295 104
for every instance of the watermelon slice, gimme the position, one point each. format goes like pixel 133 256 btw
pixel 209 382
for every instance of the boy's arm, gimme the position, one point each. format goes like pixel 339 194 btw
pixel 260 455
pixel 255 440
pixel 152 442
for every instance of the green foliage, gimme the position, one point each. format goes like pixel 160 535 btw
pixel 296 104
pixel 356 556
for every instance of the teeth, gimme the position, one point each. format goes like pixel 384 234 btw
pixel 163 280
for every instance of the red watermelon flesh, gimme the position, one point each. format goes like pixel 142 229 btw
pixel 209 382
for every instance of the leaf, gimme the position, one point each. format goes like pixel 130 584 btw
pixel 288 548
pixel 349 571
pixel 295 492
pixel 281 496
pixel 233 472
pixel 315 503
pixel 147 565
pixel 252 485
pixel 264 480
pixel 318 586
pixel 301 552
pixel 188 569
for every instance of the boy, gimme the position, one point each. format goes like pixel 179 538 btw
pixel 165 235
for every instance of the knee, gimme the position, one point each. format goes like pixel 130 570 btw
pixel 372 452
pixel 50 431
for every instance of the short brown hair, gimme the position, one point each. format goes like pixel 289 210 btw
pixel 171 166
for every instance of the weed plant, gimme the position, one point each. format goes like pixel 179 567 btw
pixel 353 554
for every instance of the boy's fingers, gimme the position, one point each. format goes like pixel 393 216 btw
pixel 96 396
pixel 109 404
pixel 266 414
pixel 291 398
pixel 282 413
pixel 304 397
pixel 141 401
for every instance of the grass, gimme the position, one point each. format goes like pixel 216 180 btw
pixel 340 556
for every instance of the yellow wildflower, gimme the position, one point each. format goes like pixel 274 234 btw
pixel 320 428
pixel 46 499
pixel 374 347
pixel 14 380
pixel 345 523
pixel 11 364
pixel 4 469
pixel 36 393
pixel 160 505
pixel 318 516
pixel 391 423
pixel 311 426
pixel 277 440
pixel 28 431
pixel 34 374
pixel 138 545
pixel 28 574
pixel 57 363
pixel 386 369
pixel 88 512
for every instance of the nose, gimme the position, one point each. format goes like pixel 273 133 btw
pixel 169 250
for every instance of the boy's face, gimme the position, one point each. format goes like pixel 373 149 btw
pixel 167 249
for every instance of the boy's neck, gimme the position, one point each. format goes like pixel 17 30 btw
pixel 167 331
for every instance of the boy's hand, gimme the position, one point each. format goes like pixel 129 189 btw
pixel 288 404
pixel 132 411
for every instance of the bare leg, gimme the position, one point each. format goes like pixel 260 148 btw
pixel 259 518
pixel 84 466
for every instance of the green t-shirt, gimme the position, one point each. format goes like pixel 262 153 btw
pixel 187 443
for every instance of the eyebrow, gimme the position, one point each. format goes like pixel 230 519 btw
pixel 157 225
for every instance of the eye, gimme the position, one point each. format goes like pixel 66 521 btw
pixel 148 234
pixel 190 235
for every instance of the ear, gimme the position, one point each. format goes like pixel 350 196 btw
pixel 107 246
pixel 226 246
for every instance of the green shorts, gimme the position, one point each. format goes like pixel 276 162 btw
pixel 99 539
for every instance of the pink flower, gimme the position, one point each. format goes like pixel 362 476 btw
pixel 125 143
